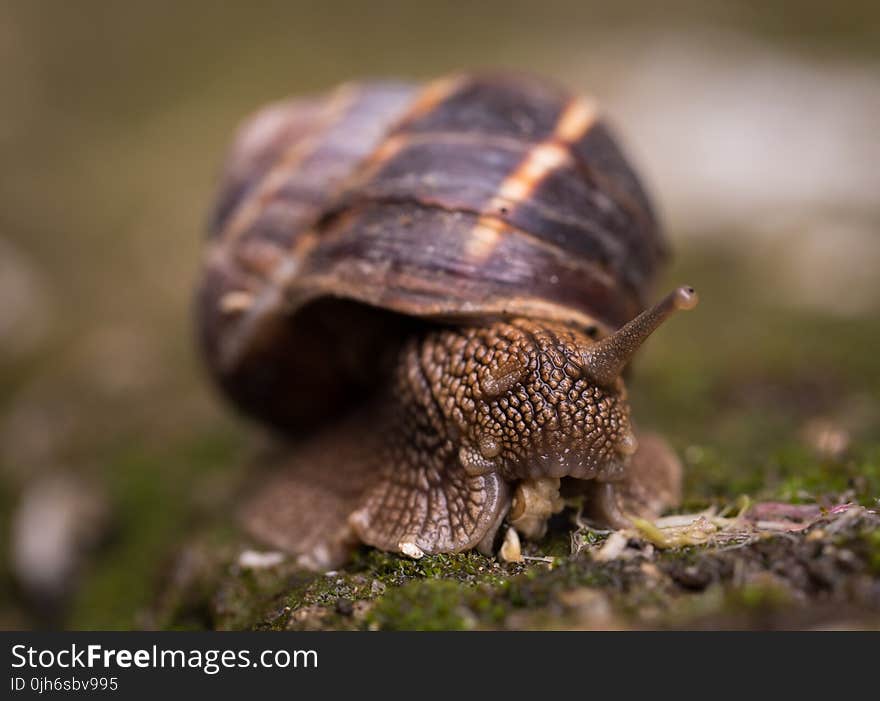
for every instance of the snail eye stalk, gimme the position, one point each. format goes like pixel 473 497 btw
pixel 606 359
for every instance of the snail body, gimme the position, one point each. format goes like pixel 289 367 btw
pixel 435 289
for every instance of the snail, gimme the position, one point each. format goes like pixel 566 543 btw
pixel 434 291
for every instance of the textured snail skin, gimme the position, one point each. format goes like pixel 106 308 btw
pixel 455 446
pixel 431 292
pixel 546 418
pixel 471 413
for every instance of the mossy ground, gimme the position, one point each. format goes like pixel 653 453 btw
pixel 813 578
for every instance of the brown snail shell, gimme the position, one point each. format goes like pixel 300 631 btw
pixel 375 248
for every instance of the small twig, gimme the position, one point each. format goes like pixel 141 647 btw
pixel 545 559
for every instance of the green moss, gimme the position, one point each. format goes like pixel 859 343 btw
pixel 241 600
pixel 431 604
pixel 152 491
pixel 759 596
pixel 485 602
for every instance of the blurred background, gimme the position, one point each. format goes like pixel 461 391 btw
pixel 754 124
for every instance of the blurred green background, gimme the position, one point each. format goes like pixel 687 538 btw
pixel 756 127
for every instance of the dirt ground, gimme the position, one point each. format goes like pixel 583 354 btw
pixel 825 576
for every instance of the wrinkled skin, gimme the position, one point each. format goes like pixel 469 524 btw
pixel 516 399
pixel 474 414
